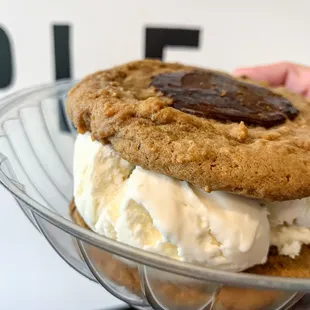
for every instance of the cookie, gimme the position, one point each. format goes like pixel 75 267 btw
pixel 233 298
pixel 202 126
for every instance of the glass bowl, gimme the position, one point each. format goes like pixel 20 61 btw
pixel 36 144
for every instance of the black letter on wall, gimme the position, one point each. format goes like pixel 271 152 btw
pixel 61 35
pixel 157 38
pixel 6 63
pixel 62 51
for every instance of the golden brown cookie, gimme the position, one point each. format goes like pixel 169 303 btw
pixel 262 151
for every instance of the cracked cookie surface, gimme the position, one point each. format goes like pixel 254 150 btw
pixel 120 106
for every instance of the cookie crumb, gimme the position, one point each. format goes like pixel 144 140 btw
pixel 223 93
pixel 240 132
pixel 208 189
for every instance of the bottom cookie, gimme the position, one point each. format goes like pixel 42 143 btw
pixel 230 298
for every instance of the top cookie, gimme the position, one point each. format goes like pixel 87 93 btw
pixel 205 127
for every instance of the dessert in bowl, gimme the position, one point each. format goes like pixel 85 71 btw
pixel 231 231
pixel 195 165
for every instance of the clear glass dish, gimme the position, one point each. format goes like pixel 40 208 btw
pixel 36 144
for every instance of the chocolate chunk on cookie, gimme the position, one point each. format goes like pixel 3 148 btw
pixel 210 94
pixel 202 126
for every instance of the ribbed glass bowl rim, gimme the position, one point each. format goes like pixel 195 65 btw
pixel 138 255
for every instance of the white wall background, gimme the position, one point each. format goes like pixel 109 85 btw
pixel 105 33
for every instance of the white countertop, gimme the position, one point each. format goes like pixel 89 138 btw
pixel 33 276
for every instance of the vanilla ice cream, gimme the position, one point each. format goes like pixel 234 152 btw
pixel 161 214
pixel 290 225
pixel 100 179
